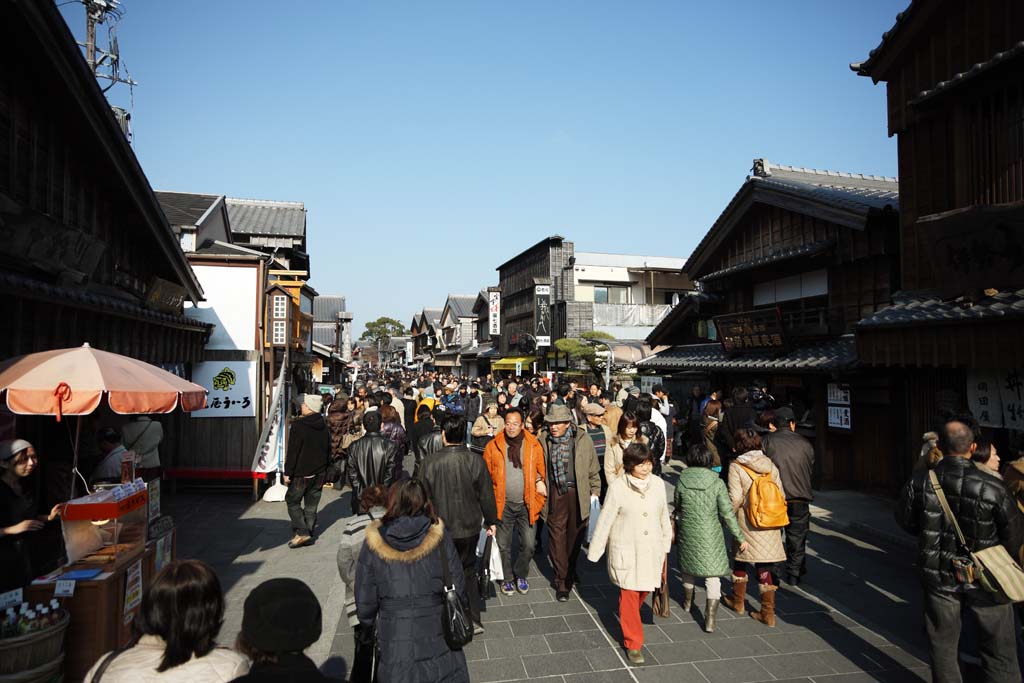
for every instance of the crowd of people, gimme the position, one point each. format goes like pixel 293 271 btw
pixel 525 462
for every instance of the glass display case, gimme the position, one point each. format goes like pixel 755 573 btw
pixel 106 525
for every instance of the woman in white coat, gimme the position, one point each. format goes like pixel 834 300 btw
pixel 635 528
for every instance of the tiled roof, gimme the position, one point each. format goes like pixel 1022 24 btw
pixel 185 208
pixel 433 315
pixel 805 251
pixel 975 71
pixel 11 282
pixel 832 354
pixel 844 198
pixel 924 308
pixel 864 68
pixel 851 191
pixel 324 333
pixel 327 307
pixel 462 305
pixel 265 217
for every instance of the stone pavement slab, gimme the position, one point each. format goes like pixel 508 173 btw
pixel 533 637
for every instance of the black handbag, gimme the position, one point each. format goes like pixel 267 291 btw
pixel 458 629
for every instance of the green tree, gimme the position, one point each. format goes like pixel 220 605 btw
pixel 382 330
pixel 584 350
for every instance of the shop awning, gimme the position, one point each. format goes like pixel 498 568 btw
pixel 510 363
pixel 832 354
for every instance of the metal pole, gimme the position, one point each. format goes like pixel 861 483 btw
pixel 608 369
pixel 90 38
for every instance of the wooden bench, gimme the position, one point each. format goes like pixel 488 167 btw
pixel 212 474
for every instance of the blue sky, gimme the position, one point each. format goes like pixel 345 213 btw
pixel 431 141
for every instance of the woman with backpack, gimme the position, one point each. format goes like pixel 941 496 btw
pixel 764 543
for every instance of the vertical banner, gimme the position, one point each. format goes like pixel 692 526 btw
pixel 542 314
pixel 1011 392
pixel 984 398
pixel 266 457
pixel 494 312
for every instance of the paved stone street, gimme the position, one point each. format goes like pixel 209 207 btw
pixel 875 636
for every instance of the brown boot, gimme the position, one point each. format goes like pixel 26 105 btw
pixel 739 595
pixel 767 613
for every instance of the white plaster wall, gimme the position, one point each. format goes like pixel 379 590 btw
pixel 230 305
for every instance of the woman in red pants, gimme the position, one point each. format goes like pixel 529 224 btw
pixel 635 528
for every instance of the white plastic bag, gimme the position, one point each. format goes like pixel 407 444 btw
pixel 595 512
pixel 494 567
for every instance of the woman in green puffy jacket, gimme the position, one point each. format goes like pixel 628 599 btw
pixel 701 506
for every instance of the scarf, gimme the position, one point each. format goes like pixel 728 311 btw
pixel 515 450
pixel 639 484
pixel 561 459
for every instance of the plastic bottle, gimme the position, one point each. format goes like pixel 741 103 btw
pixel 10 625
pixel 57 611
pixel 26 622
pixel 45 618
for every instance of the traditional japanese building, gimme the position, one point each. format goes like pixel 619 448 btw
pixel 794 261
pixel 950 341
pixel 86 255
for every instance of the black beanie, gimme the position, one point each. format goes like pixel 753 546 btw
pixel 281 615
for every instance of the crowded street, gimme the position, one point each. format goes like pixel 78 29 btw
pixel 463 341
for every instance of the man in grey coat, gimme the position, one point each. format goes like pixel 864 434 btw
pixel 574 482
pixel 794 456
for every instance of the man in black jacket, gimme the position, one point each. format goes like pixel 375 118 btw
pixel 372 460
pixel 987 516
pixel 305 465
pixel 794 456
pixel 463 495
pixel 739 415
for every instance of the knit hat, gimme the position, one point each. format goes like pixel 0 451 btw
pixel 634 390
pixel 10 448
pixel 313 401
pixel 558 413
pixel 593 409
pixel 281 615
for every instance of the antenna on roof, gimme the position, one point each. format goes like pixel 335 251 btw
pixel 99 12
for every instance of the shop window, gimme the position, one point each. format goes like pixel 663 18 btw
pixel 280 306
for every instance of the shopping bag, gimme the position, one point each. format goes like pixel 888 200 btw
pixel 659 600
pixel 496 571
pixel 595 512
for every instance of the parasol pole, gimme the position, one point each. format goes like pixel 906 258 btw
pixel 74 460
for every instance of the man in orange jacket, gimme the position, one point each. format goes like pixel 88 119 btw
pixel 515 459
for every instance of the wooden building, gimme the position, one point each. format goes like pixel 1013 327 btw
pixel 954 75
pixel 457 329
pixel 795 260
pixel 86 254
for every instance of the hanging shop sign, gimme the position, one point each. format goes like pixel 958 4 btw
pixel 232 387
pixel 542 314
pixel 996 397
pixel 838 394
pixel 494 312
pixel 839 417
pixel 751 331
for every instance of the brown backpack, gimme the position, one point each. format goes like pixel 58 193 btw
pixel 766 506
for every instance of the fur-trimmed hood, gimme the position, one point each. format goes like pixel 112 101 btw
pixel 431 537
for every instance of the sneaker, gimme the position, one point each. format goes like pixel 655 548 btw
pixel 562 596
pixel 635 656
pixel 507 588
pixel 477 629
pixel 523 586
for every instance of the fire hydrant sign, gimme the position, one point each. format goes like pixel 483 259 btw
pixel 232 387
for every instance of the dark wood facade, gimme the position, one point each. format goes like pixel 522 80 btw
pixel 780 227
pixel 954 73
pixel 86 254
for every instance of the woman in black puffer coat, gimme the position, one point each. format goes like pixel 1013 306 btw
pixel 399 585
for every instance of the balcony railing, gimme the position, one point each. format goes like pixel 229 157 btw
pixel 630 315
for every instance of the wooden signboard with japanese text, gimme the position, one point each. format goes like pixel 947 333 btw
pixel 751 331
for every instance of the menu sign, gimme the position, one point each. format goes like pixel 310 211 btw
pixel 751 331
